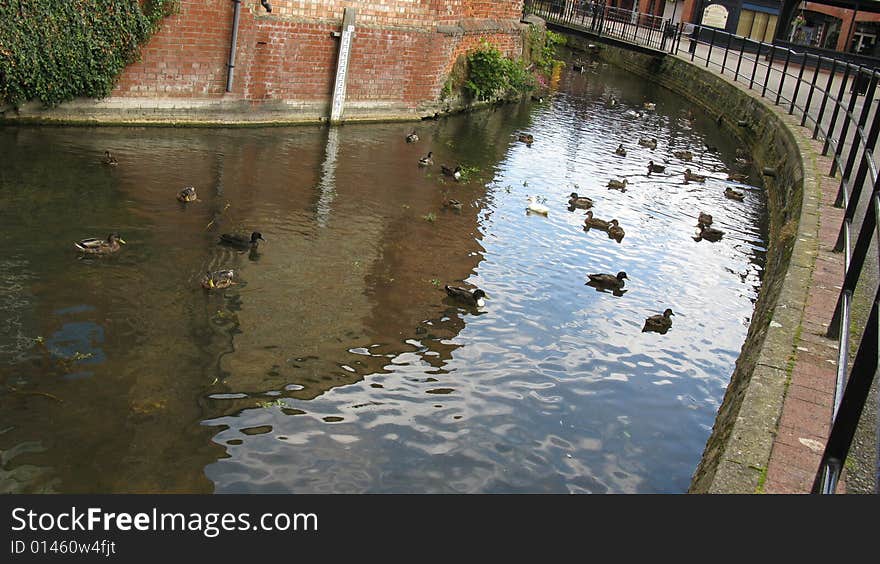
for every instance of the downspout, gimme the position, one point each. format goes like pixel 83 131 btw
pixel 231 65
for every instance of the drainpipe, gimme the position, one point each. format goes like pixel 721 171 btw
pixel 231 64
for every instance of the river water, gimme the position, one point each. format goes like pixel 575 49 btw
pixel 337 363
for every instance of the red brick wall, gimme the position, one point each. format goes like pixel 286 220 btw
pixel 398 54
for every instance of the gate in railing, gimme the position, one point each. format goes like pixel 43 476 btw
pixel 835 99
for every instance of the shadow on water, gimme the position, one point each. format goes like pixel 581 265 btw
pixel 337 363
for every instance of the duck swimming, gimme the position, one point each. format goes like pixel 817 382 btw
pixel 660 323
pixel 704 219
pixel 471 298
pixel 454 204
pixel 454 173
pixel 526 138
pixel 412 137
pixel 608 281
pixel 95 246
pixel 651 106
pixel 218 280
pixel 427 160
pixel 581 202
pixel 615 231
pixel 732 194
pixel 535 207
pixel 683 155
pixel 709 233
pixel 689 176
pixel 241 241
pixel 738 176
pixel 650 143
pixel 620 150
pixel 188 194
pixel 614 184
pixel 591 222
pixel 655 167
pixel 109 159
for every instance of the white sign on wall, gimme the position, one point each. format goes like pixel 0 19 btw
pixel 715 15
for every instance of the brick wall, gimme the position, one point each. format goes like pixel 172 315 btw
pixel 401 53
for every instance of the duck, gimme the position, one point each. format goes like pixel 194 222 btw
pixel 655 167
pixel 591 222
pixel 615 231
pixel 472 298
pixel 412 137
pixel 704 219
pixel 615 184
pixel 241 241
pixel 650 106
pixel 650 143
pixel 709 233
pixel 427 160
pixel 218 280
pixel 620 150
pixel 535 207
pixel 660 323
pixel 738 176
pixel 526 138
pixel 608 281
pixel 538 99
pixel 454 204
pixel 683 155
pixel 582 202
pixel 109 159
pixel 578 66
pixel 732 194
pixel 690 176
pixel 710 149
pixel 95 246
pixel 454 173
pixel 612 101
pixel 188 194
pixel 632 114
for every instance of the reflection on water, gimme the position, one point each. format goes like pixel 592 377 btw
pixel 338 364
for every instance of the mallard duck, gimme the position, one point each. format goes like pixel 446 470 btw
pixel 708 233
pixel 650 106
pixel 218 280
pixel 660 323
pixel 581 202
pixel 650 143
pixel 683 155
pixel 620 150
pixel 615 231
pixel 632 114
pixel 608 281
pixel 578 66
pixel 738 176
pixel 241 241
pixel 109 159
pixel 412 137
pixel 538 99
pixel 188 194
pixel 454 204
pixel 615 184
pixel 732 194
pixel 535 207
pixel 526 138
pixel 591 221
pixel 454 173
pixel 690 176
pixel 612 101
pixel 652 167
pixel 95 246
pixel 472 298
pixel 427 160
pixel 704 219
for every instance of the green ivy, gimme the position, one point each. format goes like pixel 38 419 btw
pixel 490 73
pixel 57 50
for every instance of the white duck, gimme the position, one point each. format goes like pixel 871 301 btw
pixel 535 207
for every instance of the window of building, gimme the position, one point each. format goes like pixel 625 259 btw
pixel 815 29
pixel 756 25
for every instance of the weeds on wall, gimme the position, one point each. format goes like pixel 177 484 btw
pixel 491 74
pixel 56 50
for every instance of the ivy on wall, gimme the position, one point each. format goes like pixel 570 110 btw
pixel 57 50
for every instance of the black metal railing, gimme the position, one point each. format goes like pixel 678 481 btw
pixel 835 99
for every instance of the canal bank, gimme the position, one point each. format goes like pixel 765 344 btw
pixel 774 419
